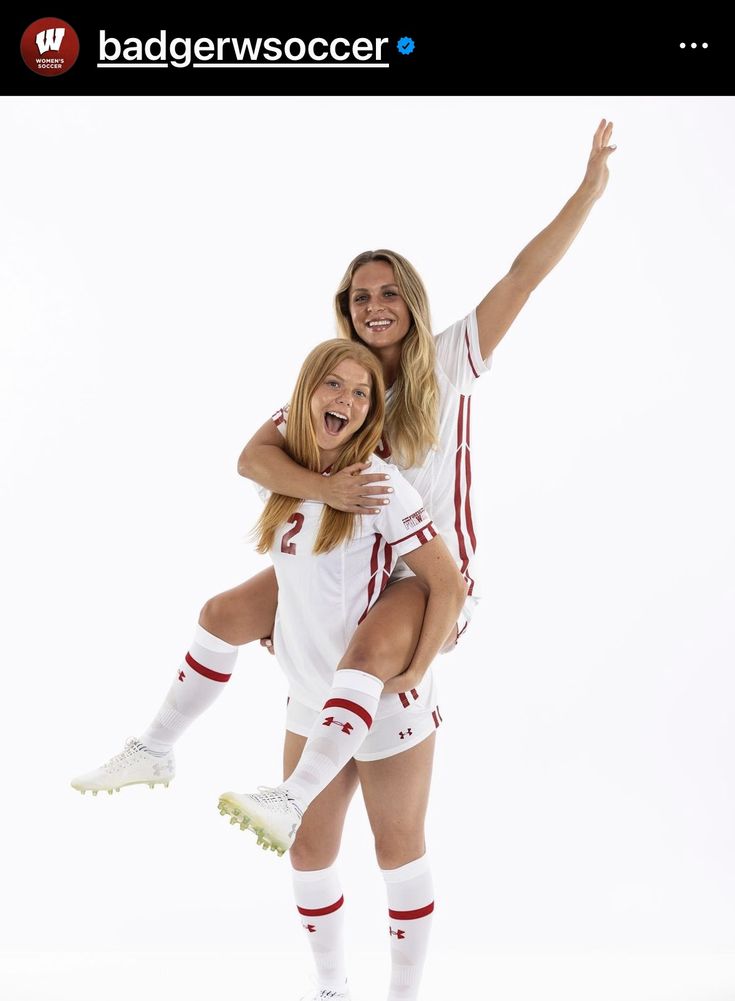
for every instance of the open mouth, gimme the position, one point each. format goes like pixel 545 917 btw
pixel 335 422
pixel 379 326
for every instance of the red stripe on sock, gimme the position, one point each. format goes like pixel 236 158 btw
pixel 205 671
pixel 353 707
pixel 421 912
pixel 318 912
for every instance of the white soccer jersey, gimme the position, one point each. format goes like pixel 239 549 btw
pixel 444 479
pixel 323 598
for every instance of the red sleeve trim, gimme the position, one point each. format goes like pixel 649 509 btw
pixel 426 533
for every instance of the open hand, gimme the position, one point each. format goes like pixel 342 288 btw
pixel 355 491
pixel 597 174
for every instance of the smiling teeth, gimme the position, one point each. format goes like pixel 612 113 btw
pixel 334 413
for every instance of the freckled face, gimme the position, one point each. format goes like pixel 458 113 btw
pixel 379 312
pixel 340 404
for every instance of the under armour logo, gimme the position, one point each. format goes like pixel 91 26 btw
pixel 309 928
pixel 346 727
pixel 408 733
pixel 181 675
pixel 51 38
pixel 160 767
pixel 398 934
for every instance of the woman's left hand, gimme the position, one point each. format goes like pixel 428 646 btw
pixel 411 678
pixel 597 174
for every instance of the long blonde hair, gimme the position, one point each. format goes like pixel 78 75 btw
pixel 335 527
pixel 412 417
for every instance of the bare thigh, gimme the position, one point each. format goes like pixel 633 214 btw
pixel 245 613
pixel 396 793
pixel 317 841
pixel 384 642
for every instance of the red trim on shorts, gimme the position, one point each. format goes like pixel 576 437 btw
pixel 420 912
pixel 318 912
pixel 419 531
pixel 469 353
pixel 206 672
pixel 353 707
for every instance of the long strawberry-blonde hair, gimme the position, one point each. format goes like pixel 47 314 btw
pixel 335 527
pixel 412 415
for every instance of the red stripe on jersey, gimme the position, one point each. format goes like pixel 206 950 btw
pixel 388 561
pixel 205 671
pixel 373 571
pixel 427 534
pixel 469 353
pixel 318 912
pixel 420 912
pixel 404 700
pixel 353 707
pixel 415 694
pixel 433 716
pixel 468 482
pixel 419 531
pixel 464 556
pixel 278 417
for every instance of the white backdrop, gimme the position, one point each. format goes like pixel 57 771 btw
pixel 166 265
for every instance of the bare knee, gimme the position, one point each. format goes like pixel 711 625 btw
pixel 307 854
pixel 399 848
pixel 215 617
pixel 375 655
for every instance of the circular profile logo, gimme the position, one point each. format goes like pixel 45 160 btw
pixel 49 46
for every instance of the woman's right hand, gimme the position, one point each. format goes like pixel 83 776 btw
pixel 353 490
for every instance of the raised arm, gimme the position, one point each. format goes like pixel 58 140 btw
pixel 433 565
pixel 505 300
pixel 265 461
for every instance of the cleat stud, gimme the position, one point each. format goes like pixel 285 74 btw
pixel 243 826
pixel 222 813
pixel 165 785
pixel 109 792
pixel 82 791
pixel 94 792
pixel 150 785
pixel 233 820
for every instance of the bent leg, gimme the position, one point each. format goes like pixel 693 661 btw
pixel 396 792
pixel 244 613
pixel 316 883
pixel 227 621
pixel 381 648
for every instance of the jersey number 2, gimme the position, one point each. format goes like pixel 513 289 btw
pixel 297 520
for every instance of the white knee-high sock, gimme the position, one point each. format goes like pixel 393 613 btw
pixel 199 680
pixel 410 907
pixel 337 734
pixel 320 904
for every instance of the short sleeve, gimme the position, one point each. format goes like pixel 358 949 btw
pixel 280 419
pixel 458 353
pixel 405 523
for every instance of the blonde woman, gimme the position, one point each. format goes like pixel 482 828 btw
pixel 331 567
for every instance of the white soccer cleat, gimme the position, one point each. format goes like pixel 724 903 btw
pixel 132 765
pixel 270 813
